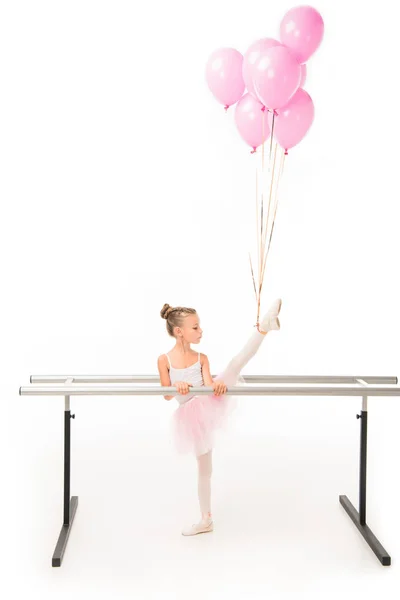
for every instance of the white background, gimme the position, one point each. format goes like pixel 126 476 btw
pixel 124 185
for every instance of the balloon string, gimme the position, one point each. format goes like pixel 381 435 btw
pixel 257 210
pixel 251 266
pixel 275 206
pixel 261 244
pixel 269 202
pixel 271 186
pixel 264 237
pixel 252 274
pixel 262 174
pixel 272 133
pixel 259 238
pixel 276 200
pixel 273 189
pixel 258 256
pixel 270 176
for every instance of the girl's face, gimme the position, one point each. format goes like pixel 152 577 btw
pixel 191 330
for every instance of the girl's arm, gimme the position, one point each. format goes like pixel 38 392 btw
pixel 165 380
pixel 219 387
pixel 208 380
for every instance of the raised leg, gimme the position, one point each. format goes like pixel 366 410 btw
pixel 240 360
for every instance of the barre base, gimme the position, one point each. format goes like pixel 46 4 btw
pixel 365 531
pixel 64 534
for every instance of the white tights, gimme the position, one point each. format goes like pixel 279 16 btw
pixel 229 377
pixel 240 360
pixel 204 462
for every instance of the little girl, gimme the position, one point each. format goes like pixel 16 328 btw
pixel 195 421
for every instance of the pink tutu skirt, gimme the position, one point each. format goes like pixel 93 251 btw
pixel 195 423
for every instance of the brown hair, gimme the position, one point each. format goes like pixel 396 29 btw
pixel 175 316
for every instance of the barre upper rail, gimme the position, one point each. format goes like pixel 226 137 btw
pixel 248 379
pixel 129 390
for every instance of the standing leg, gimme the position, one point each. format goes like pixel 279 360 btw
pixel 204 463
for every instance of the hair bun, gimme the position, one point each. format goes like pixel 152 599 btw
pixel 165 311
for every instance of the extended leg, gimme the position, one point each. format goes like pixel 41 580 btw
pixel 240 360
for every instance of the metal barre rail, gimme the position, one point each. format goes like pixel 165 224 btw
pixel 71 385
pixel 77 385
pixel 128 390
pixel 248 378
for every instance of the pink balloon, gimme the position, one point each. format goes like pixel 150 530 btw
pixel 251 56
pixel 302 30
pixel 276 76
pixel 303 75
pixel 294 120
pixel 224 75
pixel 249 121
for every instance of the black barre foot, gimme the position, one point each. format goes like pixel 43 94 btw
pixel 64 534
pixel 365 531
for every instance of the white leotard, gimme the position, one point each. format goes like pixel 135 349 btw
pixel 192 374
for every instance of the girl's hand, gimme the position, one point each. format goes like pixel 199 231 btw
pixel 219 388
pixel 183 387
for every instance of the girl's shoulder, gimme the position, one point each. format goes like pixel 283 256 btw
pixel 162 360
pixel 203 358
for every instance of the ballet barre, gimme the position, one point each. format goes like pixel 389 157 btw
pixel 284 385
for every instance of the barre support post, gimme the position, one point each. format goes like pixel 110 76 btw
pixel 70 503
pixel 359 518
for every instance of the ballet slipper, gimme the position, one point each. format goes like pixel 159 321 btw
pixel 270 320
pixel 201 527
